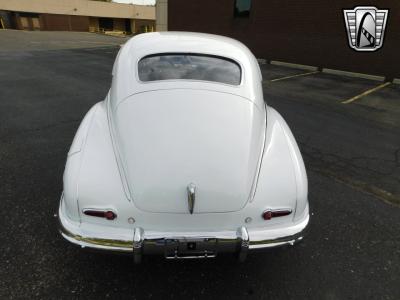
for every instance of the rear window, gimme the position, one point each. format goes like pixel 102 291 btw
pixel 189 66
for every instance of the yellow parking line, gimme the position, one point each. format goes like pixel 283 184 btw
pixel 292 76
pixel 381 86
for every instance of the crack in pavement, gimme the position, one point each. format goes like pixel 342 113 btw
pixel 348 170
pixel 381 194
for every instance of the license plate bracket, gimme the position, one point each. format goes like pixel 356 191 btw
pixel 190 247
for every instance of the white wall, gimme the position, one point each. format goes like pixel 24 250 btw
pixel 162 15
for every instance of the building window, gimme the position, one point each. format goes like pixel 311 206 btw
pixel 106 24
pixel 242 8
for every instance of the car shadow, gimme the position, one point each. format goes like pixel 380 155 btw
pixel 156 277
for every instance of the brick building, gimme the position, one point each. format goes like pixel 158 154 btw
pixel 307 32
pixel 76 15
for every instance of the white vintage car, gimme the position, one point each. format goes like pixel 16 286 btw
pixel 184 158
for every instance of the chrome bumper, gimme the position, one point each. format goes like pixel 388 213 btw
pixel 175 245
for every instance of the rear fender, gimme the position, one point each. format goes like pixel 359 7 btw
pixel 282 181
pixel 73 165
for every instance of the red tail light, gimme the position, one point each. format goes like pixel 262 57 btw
pixel 269 214
pixel 107 214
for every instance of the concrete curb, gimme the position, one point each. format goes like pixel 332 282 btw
pixel 261 61
pixel 352 74
pixel 396 81
pixel 290 65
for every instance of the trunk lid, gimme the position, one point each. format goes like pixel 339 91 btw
pixel 169 139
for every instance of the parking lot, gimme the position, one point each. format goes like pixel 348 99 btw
pixel 351 152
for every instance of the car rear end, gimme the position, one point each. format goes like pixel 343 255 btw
pixel 183 158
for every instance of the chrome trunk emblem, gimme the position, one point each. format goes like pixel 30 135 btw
pixel 191 191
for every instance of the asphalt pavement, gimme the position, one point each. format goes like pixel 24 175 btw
pixel 351 153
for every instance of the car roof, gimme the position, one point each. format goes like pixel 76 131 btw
pixel 125 77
